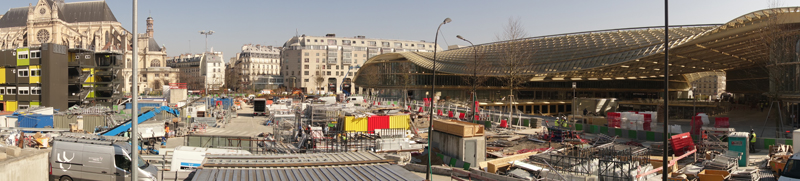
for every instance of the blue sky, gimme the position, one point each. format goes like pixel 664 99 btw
pixel 238 22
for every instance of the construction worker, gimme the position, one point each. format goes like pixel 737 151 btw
pixel 752 141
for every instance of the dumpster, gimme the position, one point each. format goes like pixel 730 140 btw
pixel 737 141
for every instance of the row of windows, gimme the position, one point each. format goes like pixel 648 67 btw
pixel 31 72
pixel 260 55
pixel 369 43
pixel 22 90
pixel 33 55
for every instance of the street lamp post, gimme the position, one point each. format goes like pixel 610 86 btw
pixel 474 78
pixel 433 94
pixel 694 105
pixel 210 32
pixel 135 95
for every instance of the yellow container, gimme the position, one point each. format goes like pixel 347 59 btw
pixel 399 121
pixel 355 124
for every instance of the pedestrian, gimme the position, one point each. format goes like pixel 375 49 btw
pixel 762 107
pixel 752 141
pixel 585 112
pixel 166 130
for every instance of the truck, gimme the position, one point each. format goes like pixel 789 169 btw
pixel 259 106
pixel 93 157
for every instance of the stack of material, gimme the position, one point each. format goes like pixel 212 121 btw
pixel 720 163
pixel 744 174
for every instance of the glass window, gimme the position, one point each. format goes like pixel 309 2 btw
pixel 305 66
pixel 305 80
pixel 2 91
pixel 122 162
pixel 11 91
pixel 306 53
pixel 373 43
pixel 36 90
pixel 331 42
pixel 36 72
pixel 22 72
pixel 36 54
pixel 398 45
pixel 305 73
pixel 24 90
pixel 385 44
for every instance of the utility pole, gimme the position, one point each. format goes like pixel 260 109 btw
pixel 135 91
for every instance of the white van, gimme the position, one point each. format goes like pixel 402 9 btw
pixel 93 157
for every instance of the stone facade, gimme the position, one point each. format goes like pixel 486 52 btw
pixel 255 61
pixel 324 63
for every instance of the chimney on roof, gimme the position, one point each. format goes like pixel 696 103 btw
pixel 361 37
pixel 330 35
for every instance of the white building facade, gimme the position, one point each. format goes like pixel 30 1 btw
pixel 255 61
pixel 328 63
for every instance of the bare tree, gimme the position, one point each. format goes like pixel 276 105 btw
pixel 319 80
pixel 233 79
pixel 371 74
pixel 405 78
pixel 479 69
pixel 514 60
pixel 192 82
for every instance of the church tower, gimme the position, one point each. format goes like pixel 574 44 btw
pixel 150 27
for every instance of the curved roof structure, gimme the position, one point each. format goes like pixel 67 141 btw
pixel 622 53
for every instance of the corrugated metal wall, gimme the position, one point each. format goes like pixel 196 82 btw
pixel 399 121
pixel 355 124
pixel 90 122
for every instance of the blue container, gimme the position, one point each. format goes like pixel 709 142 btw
pixel 143 104
pixel 35 121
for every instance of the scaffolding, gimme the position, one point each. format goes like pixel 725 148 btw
pixel 607 162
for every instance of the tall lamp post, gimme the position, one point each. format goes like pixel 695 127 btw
pixel 135 94
pixel 474 78
pixel 666 86
pixel 433 95
pixel 210 32
pixel 694 105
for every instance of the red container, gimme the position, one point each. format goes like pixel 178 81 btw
pixel 420 109
pixel 461 115
pixel 450 114
pixel 614 119
pixel 647 121
pixel 439 112
pixel 721 122
pixel 503 124
pixel 681 143
pixel 377 122
pixel 477 117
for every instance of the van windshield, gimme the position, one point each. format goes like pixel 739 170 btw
pixel 792 169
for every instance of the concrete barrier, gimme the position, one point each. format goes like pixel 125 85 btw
pixel 32 164
pixel 11 150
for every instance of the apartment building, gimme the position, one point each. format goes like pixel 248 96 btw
pixel 709 87
pixel 256 61
pixel 327 63
pixel 200 71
